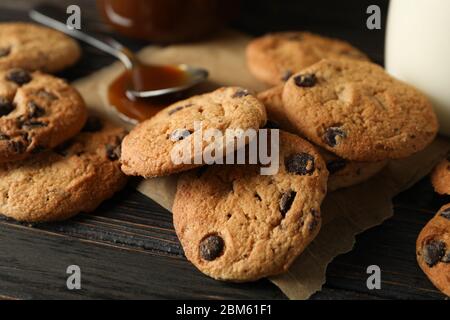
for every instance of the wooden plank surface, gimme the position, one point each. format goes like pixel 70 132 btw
pixel 128 247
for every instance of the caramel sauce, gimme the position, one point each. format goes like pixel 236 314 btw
pixel 167 21
pixel 144 77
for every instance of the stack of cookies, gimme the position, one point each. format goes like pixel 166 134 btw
pixel 358 116
pixel 328 92
pixel 233 223
pixel 340 119
pixel 55 161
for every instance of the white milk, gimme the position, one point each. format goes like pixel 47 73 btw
pixel 418 50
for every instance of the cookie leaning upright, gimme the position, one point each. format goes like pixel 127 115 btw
pixel 273 58
pixel 147 150
pixel 440 177
pixel 359 112
pixel 433 250
pixel 238 225
pixel 57 184
pixel 37 112
pixel 33 47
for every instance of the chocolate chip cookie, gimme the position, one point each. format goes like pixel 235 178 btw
pixel 151 149
pixel 238 225
pixel 433 250
pixel 440 177
pixel 37 112
pixel 32 47
pixel 342 173
pixel 273 58
pixel 57 184
pixel 356 110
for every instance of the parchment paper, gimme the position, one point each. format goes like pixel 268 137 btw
pixel 345 212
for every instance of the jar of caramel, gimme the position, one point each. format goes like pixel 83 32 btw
pixel 167 20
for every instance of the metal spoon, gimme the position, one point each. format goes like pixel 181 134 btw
pixel 114 48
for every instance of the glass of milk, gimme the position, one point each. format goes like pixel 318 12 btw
pixel 418 50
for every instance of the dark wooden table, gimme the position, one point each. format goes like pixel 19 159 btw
pixel 128 248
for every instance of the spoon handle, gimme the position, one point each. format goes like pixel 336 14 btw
pixel 109 46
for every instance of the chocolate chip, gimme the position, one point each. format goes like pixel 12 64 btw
pixel 334 166
pixel 433 251
pixel 18 76
pixel 240 93
pixel 333 135
pixel 5 51
pixel 306 80
pixel 445 214
pixel 32 124
pixel 300 163
pixel 286 75
pixel 4 136
pixel 6 106
pixel 211 247
pixel 179 134
pixel 34 110
pixel 17 146
pixel 113 152
pixel 286 202
pixel 93 124
pixel 315 219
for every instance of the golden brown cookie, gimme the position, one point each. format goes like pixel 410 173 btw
pixel 356 110
pixel 440 177
pixel 37 112
pixel 57 184
pixel 433 250
pixel 343 173
pixel 147 151
pixel 273 58
pixel 238 225
pixel 32 47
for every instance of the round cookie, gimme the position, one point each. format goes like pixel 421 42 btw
pixel 174 133
pixel 343 173
pixel 440 177
pixel 37 111
pixel 357 111
pixel 237 225
pixel 57 184
pixel 273 58
pixel 433 250
pixel 32 47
